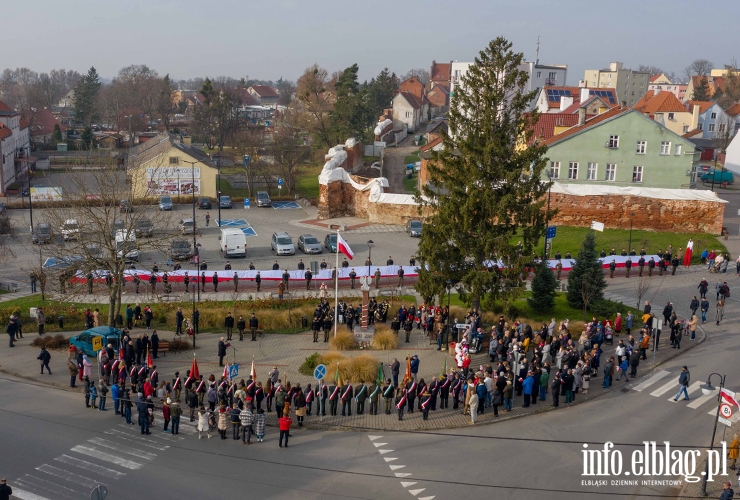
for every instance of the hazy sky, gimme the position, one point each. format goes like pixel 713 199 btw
pixel 270 39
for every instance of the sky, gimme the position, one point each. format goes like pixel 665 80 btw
pixel 281 38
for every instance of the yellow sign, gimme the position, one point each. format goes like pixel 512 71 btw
pixel 97 343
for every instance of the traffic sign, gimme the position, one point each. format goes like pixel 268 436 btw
pixel 247 203
pixel 725 410
pixel 723 420
pixel 233 370
pixel 97 343
pixel 280 181
pixel 319 372
pixel 551 232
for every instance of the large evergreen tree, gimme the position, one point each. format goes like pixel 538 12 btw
pixel 86 94
pixel 586 283
pixel 346 119
pixel 544 286
pixel 484 191
pixel 701 91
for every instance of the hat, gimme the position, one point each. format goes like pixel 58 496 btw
pixel 169 401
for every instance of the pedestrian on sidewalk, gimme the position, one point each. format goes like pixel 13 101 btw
pixel 622 369
pixel 734 451
pixel 608 372
pixel 634 362
pixel 93 395
pixel 473 402
pixel 683 379
pixel 260 420
pixel 235 421
pixel 720 312
pixel 5 490
pixel 103 392
pixel 285 422
pixel 223 421
pixel 44 357
pixel 203 424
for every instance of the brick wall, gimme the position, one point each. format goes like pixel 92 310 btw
pixel 651 214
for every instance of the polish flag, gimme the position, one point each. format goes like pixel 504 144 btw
pixel 253 372
pixel 343 247
pixel 728 398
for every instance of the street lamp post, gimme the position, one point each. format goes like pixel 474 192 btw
pixel 30 203
pixel 547 214
pixel 629 246
pixel 370 244
pixel 219 199
pixel 447 330
pixel 707 390
pixel 195 247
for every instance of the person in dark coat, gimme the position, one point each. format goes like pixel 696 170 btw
pixel 44 357
pixel 241 325
pixel 221 351
pixel 179 318
pixel 229 325
pixel 155 344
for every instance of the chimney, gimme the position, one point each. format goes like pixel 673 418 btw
pixel 582 83
pixel 694 117
pixel 581 115
pixel 656 92
pixel 585 93
pixel 565 102
pixel 615 66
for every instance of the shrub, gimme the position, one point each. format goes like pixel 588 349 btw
pixel 56 342
pixel 178 345
pixel 384 338
pixel 544 286
pixel 344 341
pixel 309 364
pixel 362 367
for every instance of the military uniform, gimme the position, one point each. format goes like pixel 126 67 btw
pixel 360 397
pixel 627 266
pixel 346 397
pixel 641 264
pixel 558 269
pixel 377 279
pixel 352 276
pixel 258 280
pixel 328 321
pixel 674 264
pixel 651 266
pixel 388 397
pixel 316 326
pixel 309 275
pixel 612 268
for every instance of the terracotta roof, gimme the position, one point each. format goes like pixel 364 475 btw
pixel 437 97
pixel 654 77
pixel 24 124
pixel 733 110
pixel 612 113
pixel 692 133
pixel 43 121
pixel 703 106
pixel 411 99
pixel 664 102
pixel 247 98
pixel 5 132
pixel 545 126
pixel 441 72
pixel 264 91
pixel 4 107
pixel 431 144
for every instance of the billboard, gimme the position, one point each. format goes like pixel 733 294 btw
pixel 172 173
pixel 46 194
pixel 173 187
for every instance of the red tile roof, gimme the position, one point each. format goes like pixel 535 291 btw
pixel 265 91
pixel 247 98
pixel 4 132
pixel 441 72
pixel 612 113
pixel 664 102
pixel 24 124
pixel 431 144
pixel 4 107
pixel 733 110
pixel 692 133
pixel 654 77
pixel 545 126
pixel 411 99
pixel 703 105
pixel 437 96
pixel 43 121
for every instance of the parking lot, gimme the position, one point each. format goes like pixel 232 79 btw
pixel 257 223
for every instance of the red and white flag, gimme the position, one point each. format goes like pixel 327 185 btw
pixel 728 398
pixel 343 247
pixel 253 372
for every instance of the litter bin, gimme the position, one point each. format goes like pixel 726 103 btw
pixel 304 322
pixel 60 322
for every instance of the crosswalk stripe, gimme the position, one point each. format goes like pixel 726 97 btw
pixel 123 449
pixel 427 498
pixel 373 438
pixel 26 495
pixel 406 484
pixel 651 380
pixel 690 389
pixel 187 429
pixel 136 439
pixel 162 435
pixel 91 467
pixel 68 476
pixel 33 481
pixel 378 445
pixel 700 401
pixel 396 467
pixel 107 457
pixel 664 388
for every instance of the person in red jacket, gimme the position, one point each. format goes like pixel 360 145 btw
pixel 618 324
pixel 285 422
pixel 166 414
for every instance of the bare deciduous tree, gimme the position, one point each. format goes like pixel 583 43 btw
pixel 698 67
pixel 288 148
pixel 315 95
pixel 249 141
pixel 420 73
pixel 642 284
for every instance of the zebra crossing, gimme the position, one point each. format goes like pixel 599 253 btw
pixel 665 383
pixel 96 461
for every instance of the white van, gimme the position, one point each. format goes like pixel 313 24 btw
pixel 126 245
pixel 233 242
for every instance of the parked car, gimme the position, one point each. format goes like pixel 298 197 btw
pixel 3 208
pixel 108 335
pixel 263 199
pixel 330 242
pixel 70 230
pixel 187 226
pixel 224 201
pixel 125 206
pixel 281 244
pixel 309 244
pixel 42 234
pixel 721 177
pixel 93 251
pixel 144 228
pixel 62 263
pixel 204 203
pixel 117 225
pixel 180 250
pixel 165 203
pixel 413 227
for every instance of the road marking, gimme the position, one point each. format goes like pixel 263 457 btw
pixel 689 389
pixel 107 457
pixel 378 445
pixel 383 452
pixel 396 467
pixel 83 464
pixel 373 438
pixel 665 388
pixel 26 495
pixel 403 474
pixel 68 476
pixel 162 435
pixel 406 484
pixel 48 485
pixel 651 380
pixel 123 449
pixel 135 439
pixel 416 492
pixel 188 429
pixel 389 459
pixel 426 498
pixel 700 401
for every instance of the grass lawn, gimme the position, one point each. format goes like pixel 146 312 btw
pixel 412 158
pixel 410 184
pixel 232 170
pixel 226 189
pixel 569 239
pixel 307 183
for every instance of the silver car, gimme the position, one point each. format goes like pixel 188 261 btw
pixel 187 226
pixel 165 203
pixel 309 244
pixel 281 244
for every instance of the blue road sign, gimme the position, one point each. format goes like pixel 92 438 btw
pixel 281 205
pixel 231 222
pixel 246 160
pixel 247 203
pixel 280 181
pixel 319 372
pixel 233 370
pixel 248 231
pixel 551 231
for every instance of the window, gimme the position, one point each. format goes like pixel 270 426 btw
pixel 637 173
pixel 573 170
pixel 553 75
pixel 539 74
pixel 591 172
pixel 672 116
pixel 721 127
pixel 711 127
pixel 609 84
pixel 613 141
pixel 610 76
pixel 641 147
pixel 555 170
pixel 665 148
pixel 174 160
pixel 714 115
pixel 628 76
pixel 678 149
pixel 611 172
pixel 625 93
pixel 701 126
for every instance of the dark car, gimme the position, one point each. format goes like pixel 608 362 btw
pixel 125 206
pixel 263 199
pixel 413 227
pixel 144 228
pixel 180 250
pixel 330 242
pixel 42 234
pixel 225 201
pixel 204 203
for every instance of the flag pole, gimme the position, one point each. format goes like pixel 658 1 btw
pixel 336 288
